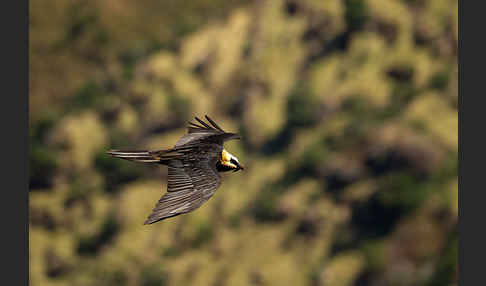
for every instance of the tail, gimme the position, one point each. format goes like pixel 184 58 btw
pixel 137 156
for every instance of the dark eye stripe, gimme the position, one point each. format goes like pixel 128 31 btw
pixel 233 161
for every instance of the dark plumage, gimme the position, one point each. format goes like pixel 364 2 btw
pixel 193 168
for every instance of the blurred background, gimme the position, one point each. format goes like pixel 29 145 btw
pixel 348 112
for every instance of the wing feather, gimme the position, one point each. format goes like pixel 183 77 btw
pixel 190 184
pixel 205 133
pixel 203 123
pixel 213 123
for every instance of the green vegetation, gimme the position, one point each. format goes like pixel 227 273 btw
pixel 348 113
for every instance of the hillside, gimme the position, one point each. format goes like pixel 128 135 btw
pixel 348 113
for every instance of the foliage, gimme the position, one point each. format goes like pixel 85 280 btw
pixel 348 113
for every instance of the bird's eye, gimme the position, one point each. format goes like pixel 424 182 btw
pixel 234 162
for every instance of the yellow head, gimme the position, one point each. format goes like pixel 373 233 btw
pixel 230 161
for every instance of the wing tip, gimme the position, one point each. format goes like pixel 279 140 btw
pixel 147 222
pixel 212 125
pixel 153 219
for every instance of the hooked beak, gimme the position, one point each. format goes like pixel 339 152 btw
pixel 239 167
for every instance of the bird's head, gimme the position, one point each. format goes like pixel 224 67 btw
pixel 229 162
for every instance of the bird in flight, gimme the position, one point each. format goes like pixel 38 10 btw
pixel 193 168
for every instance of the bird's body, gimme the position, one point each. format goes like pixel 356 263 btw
pixel 193 168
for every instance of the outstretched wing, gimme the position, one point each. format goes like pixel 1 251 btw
pixel 192 180
pixel 205 133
